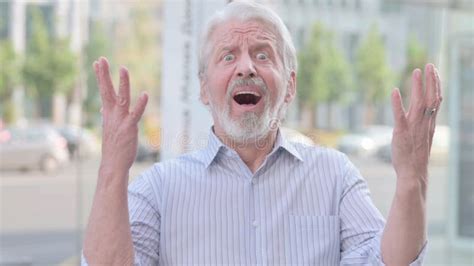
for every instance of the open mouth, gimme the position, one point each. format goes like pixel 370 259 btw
pixel 247 98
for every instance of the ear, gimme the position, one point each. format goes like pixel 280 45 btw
pixel 291 88
pixel 203 93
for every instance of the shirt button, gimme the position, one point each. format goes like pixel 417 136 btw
pixel 254 181
pixel 254 223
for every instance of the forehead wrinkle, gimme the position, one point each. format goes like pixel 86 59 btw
pixel 254 30
pixel 266 35
pixel 231 41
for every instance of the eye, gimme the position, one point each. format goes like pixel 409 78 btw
pixel 228 57
pixel 262 56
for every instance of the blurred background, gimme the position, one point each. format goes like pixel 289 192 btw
pixel 351 54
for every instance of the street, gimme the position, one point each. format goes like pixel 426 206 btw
pixel 42 216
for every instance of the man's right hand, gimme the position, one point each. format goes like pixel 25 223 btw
pixel 108 238
pixel 119 124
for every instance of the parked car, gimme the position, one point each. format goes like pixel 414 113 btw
pixel 39 147
pixel 439 148
pixel 366 142
pixel 80 141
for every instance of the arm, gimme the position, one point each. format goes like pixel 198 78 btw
pixel 405 231
pixel 361 221
pixel 145 218
pixel 362 225
pixel 108 239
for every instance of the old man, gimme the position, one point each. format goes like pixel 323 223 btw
pixel 251 196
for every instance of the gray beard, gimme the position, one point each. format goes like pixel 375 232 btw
pixel 250 127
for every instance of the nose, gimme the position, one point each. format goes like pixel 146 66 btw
pixel 245 67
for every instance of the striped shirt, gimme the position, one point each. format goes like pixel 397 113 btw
pixel 305 205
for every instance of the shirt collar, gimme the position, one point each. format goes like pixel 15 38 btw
pixel 284 143
pixel 214 145
pixel 212 149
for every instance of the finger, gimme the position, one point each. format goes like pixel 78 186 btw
pixel 416 95
pixel 107 88
pixel 432 100
pixel 431 95
pixel 139 108
pixel 399 115
pixel 432 129
pixel 438 86
pixel 103 96
pixel 124 89
pixel 435 114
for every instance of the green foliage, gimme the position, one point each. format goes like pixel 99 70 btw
pixel 9 78
pixel 138 47
pixel 99 45
pixel 416 54
pixel 132 42
pixel 417 57
pixel 338 78
pixel 373 73
pixel 9 70
pixel 50 66
pixel 9 112
pixel 324 74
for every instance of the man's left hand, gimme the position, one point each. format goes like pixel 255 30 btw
pixel 414 130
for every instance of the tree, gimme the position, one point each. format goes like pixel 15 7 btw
pixel 98 45
pixel 417 57
pixel 138 47
pixel 324 73
pixel 337 79
pixel 9 78
pixel 373 73
pixel 50 66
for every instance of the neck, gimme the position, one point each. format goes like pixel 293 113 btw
pixel 253 153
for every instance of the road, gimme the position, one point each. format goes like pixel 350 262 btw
pixel 42 216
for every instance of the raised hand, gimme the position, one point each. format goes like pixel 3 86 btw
pixel 108 238
pixel 119 128
pixel 414 130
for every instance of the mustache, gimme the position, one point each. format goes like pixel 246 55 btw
pixel 256 81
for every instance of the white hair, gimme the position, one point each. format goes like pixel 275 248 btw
pixel 249 11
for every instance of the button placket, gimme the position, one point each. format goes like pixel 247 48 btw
pixel 256 222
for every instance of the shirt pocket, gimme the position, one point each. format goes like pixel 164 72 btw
pixel 314 240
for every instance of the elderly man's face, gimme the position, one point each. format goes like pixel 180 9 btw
pixel 245 83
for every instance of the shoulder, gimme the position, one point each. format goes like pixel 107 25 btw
pixel 324 163
pixel 192 160
pixel 172 168
pixel 320 154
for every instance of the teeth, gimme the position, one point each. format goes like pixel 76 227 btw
pixel 248 92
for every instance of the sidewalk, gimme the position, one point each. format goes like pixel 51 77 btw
pixel 382 181
pixel 439 253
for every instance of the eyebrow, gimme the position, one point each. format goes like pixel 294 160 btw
pixel 218 49
pixel 261 45
pixel 257 46
pixel 226 48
